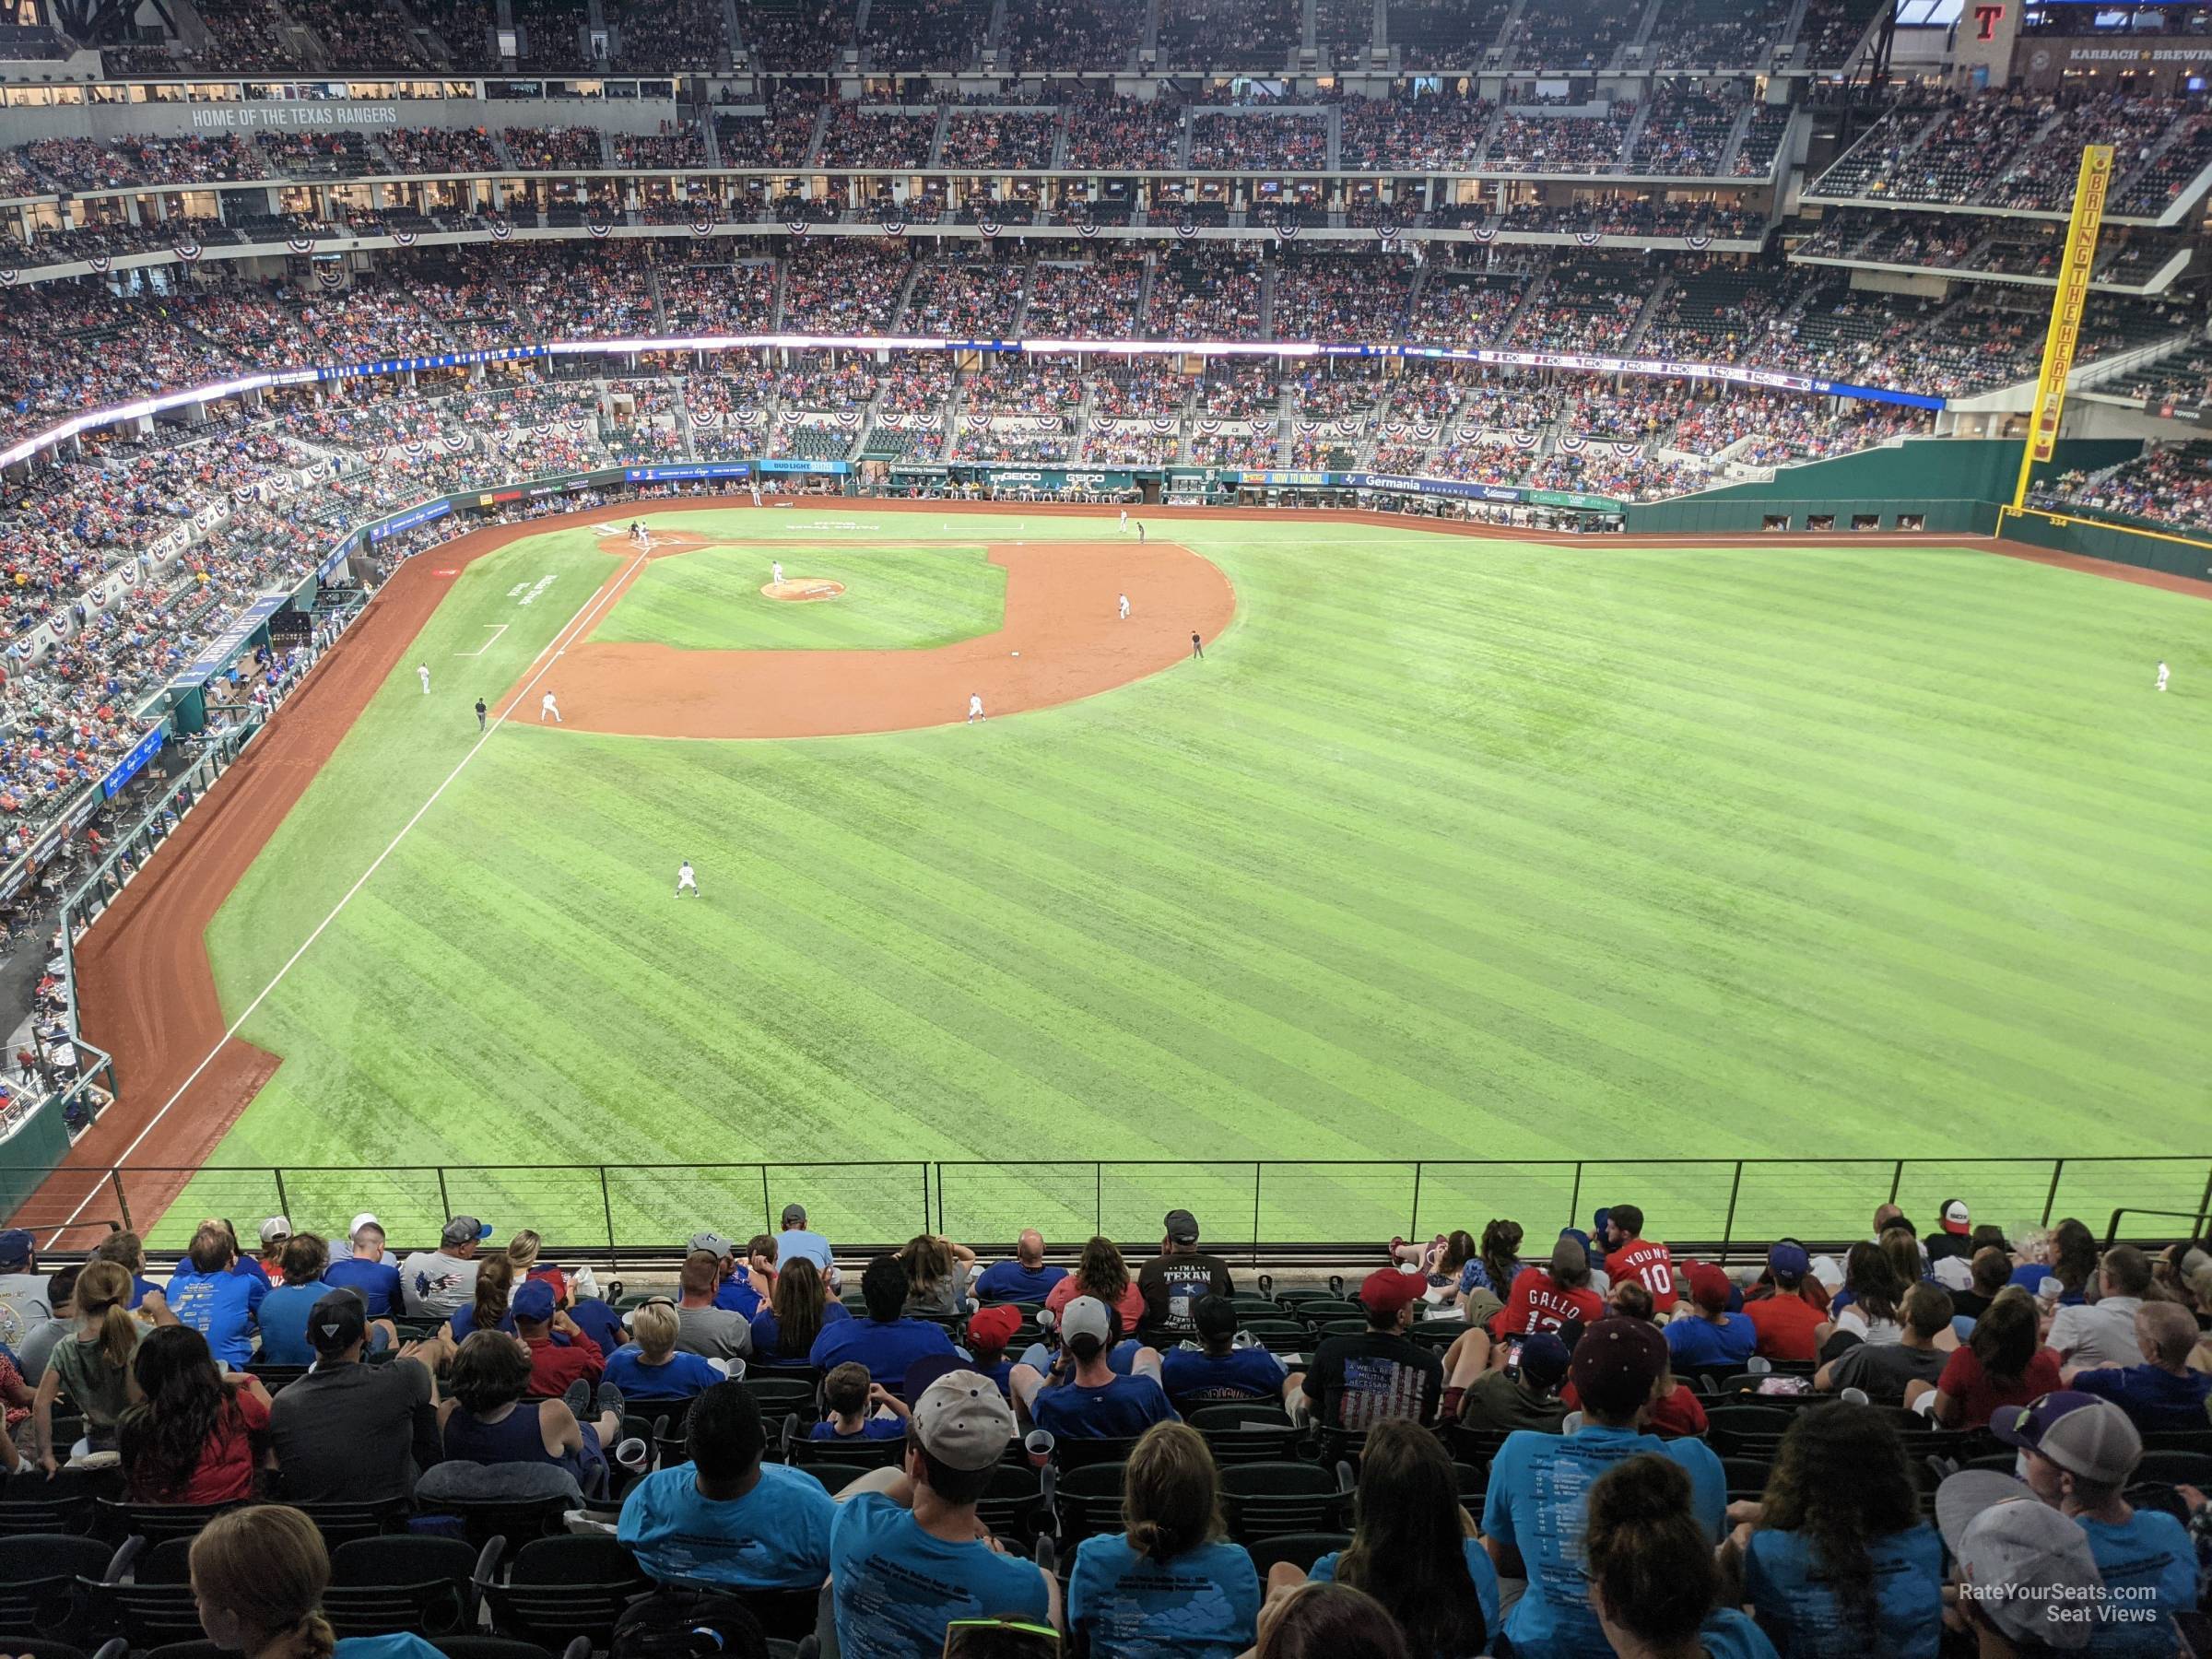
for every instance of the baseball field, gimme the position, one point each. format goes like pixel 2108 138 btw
pixel 1448 849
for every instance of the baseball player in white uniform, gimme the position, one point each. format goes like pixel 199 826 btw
pixel 2163 672
pixel 1125 608
pixel 685 881
pixel 975 707
pixel 549 707
pixel 424 669
pixel 1124 520
pixel 775 571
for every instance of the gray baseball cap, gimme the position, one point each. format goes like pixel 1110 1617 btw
pixel 713 1241
pixel 2025 1567
pixel 2084 1434
pixel 794 1215
pixel 466 1229
pixel 962 1419
pixel 1181 1226
pixel 1086 1316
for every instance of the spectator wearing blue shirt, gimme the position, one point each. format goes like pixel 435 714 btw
pixel 1647 1558
pixel 1023 1278
pixel 1496 1262
pixel 1533 1512
pixel 127 1251
pixel 1085 1398
pixel 907 1555
pixel 1709 1335
pixel 1219 1369
pixel 652 1367
pixel 2161 1394
pixel 886 1342
pixel 368 1271
pixel 1171 1585
pixel 284 1311
pixel 797 1240
pixel 489 1305
pixel 213 1294
pixel 1834 1559
pixel 848 1394
pixel 2080 1452
pixel 735 1290
pixel 783 1332
pixel 1410 1549
pixel 725 1517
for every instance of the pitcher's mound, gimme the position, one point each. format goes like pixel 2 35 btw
pixel 804 587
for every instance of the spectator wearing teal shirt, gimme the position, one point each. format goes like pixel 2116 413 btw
pixel 213 1294
pixel 1651 1573
pixel 725 1517
pixel 1836 1561
pixel 2080 1452
pixel 1412 1549
pixel 1171 1585
pixel 906 1554
pixel 1533 1512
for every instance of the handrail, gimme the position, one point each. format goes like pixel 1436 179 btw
pixel 986 1202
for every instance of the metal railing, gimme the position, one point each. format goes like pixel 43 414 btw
pixel 1278 1206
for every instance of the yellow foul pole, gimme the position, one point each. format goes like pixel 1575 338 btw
pixel 2066 305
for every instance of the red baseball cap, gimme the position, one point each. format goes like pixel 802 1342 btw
pixel 1386 1290
pixel 1709 1287
pixel 995 1327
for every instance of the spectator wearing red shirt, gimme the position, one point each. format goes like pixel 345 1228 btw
pixel 1784 1312
pixel 2003 1363
pixel 1543 1298
pixel 1631 1256
pixel 196 1435
pixel 1675 1413
pixel 554 1365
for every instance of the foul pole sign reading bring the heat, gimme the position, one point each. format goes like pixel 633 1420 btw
pixel 2066 311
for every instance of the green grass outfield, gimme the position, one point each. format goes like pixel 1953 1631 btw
pixel 1449 850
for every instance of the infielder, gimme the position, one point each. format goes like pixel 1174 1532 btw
pixel 1124 520
pixel 549 707
pixel 1140 532
pixel 775 571
pixel 1125 608
pixel 685 881
pixel 975 707
pixel 426 685
pixel 424 669
pixel 1197 645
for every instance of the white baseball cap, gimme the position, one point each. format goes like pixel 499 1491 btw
pixel 361 1220
pixel 275 1227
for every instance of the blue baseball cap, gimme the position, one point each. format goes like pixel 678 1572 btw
pixel 1789 1259
pixel 15 1247
pixel 533 1301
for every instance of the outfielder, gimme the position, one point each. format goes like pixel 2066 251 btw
pixel 1124 520
pixel 2162 671
pixel 424 669
pixel 685 881
pixel 975 707
pixel 481 711
pixel 549 707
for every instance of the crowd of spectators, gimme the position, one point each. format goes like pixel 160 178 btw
pixel 1206 293
pixel 1096 298
pixel 966 297
pixel 677 144
pixel 1239 34
pixel 1558 144
pixel 669 35
pixel 1244 141
pixel 999 138
pixel 2172 484
pixel 1073 34
pixel 366 34
pixel 1334 295
pixel 833 289
pixel 440 149
pixel 860 135
pixel 1134 133
pixel 1587 1443
pixel 555 149
pixel 780 135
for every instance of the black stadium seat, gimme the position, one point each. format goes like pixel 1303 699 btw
pixel 557 1588
pixel 1297 1550
pixel 1263 1499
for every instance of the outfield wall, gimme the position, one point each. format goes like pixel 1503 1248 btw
pixel 1952 483
pixel 2148 549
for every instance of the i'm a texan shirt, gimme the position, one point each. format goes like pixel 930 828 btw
pixel 1540 1303
pixel 1650 1265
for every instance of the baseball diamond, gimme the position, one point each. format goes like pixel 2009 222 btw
pixel 1554 845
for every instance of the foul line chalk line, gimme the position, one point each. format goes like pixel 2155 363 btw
pixel 568 631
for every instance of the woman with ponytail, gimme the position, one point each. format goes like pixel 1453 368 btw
pixel 1837 1561
pixel 1414 1548
pixel 259 1575
pixel 487 1309
pixel 1653 1577
pixel 94 1364
pixel 1170 1586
